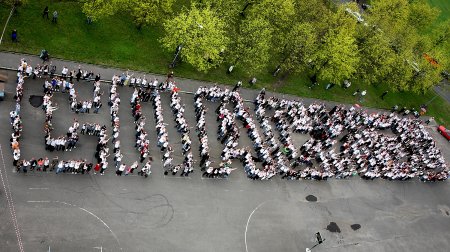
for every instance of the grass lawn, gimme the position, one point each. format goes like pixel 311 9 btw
pixel 444 6
pixel 116 42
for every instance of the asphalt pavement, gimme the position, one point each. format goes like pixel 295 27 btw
pixel 67 212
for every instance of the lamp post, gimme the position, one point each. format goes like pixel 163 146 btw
pixel 319 241
pixel 177 52
pixel 179 47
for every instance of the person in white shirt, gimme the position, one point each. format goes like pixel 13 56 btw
pixel 64 72
pixel 121 169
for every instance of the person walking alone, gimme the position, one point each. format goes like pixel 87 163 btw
pixel 55 17
pixel 45 12
pixel 14 36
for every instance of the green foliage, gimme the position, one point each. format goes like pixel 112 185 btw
pixel 13 2
pixel 252 48
pixel 393 43
pixel 300 36
pixel 391 16
pixel 74 40
pixel 377 57
pixel 426 78
pixel 99 9
pixel 299 48
pixel 144 12
pixel 202 35
pixel 279 14
pixel 337 58
pixel 422 15
pixel 228 10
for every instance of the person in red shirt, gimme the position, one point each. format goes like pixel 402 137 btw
pixel 97 168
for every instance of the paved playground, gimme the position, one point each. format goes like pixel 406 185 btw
pixel 68 212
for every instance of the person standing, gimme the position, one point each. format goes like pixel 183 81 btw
pixel 78 75
pixel 97 168
pixel 121 169
pixel 361 97
pixel 104 167
pixel 45 12
pixel 132 168
pixel 14 36
pixel 46 164
pixel 55 17
pixel 25 165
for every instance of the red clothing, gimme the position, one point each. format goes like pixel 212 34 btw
pixel 97 167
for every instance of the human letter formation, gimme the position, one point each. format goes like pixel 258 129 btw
pixel 344 141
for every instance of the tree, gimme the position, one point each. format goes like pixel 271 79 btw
pixel 440 40
pixel 401 72
pixel 300 47
pixel 402 38
pixel 376 57
pixel 337 60
pixel 391 16
pixel 337 57
pixel 228 10
pixel 422 15
pixel 143 12
pixel 278 13
pixel 261 34
pixel 279 17
pixel 441 35
pixel 252 48
pixel 427 76
pixel 202 35
pixel 98 9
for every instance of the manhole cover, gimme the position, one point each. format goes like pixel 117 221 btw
pixel 311 198
pixel 36 100
pixel 333 227
pixel 355 227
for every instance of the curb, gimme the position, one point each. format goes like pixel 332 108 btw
pixel 182 78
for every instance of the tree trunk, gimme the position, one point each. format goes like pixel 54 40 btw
pixel 245 7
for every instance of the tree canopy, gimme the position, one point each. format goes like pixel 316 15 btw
pixel 201 34
pixel 397 43
pixel 143 12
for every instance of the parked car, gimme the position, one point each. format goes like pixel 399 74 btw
pixel 444 132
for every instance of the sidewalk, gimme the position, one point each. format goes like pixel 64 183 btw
pixel 443 89
pixel 11 60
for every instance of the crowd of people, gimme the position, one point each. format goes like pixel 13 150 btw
pixel 144 92
pixel 344 141
pixel 15 118
pixel 373 145
pixel 150 90
pixel 228 134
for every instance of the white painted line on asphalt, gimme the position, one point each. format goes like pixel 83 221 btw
pixel 38 188
pixel 95 216
pixel 248 221
pixel 106 225
pixel 10 201
pixel 177 177
pixel 38 201
pixel 214 178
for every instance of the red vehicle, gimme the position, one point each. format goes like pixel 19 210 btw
pixel 445 132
